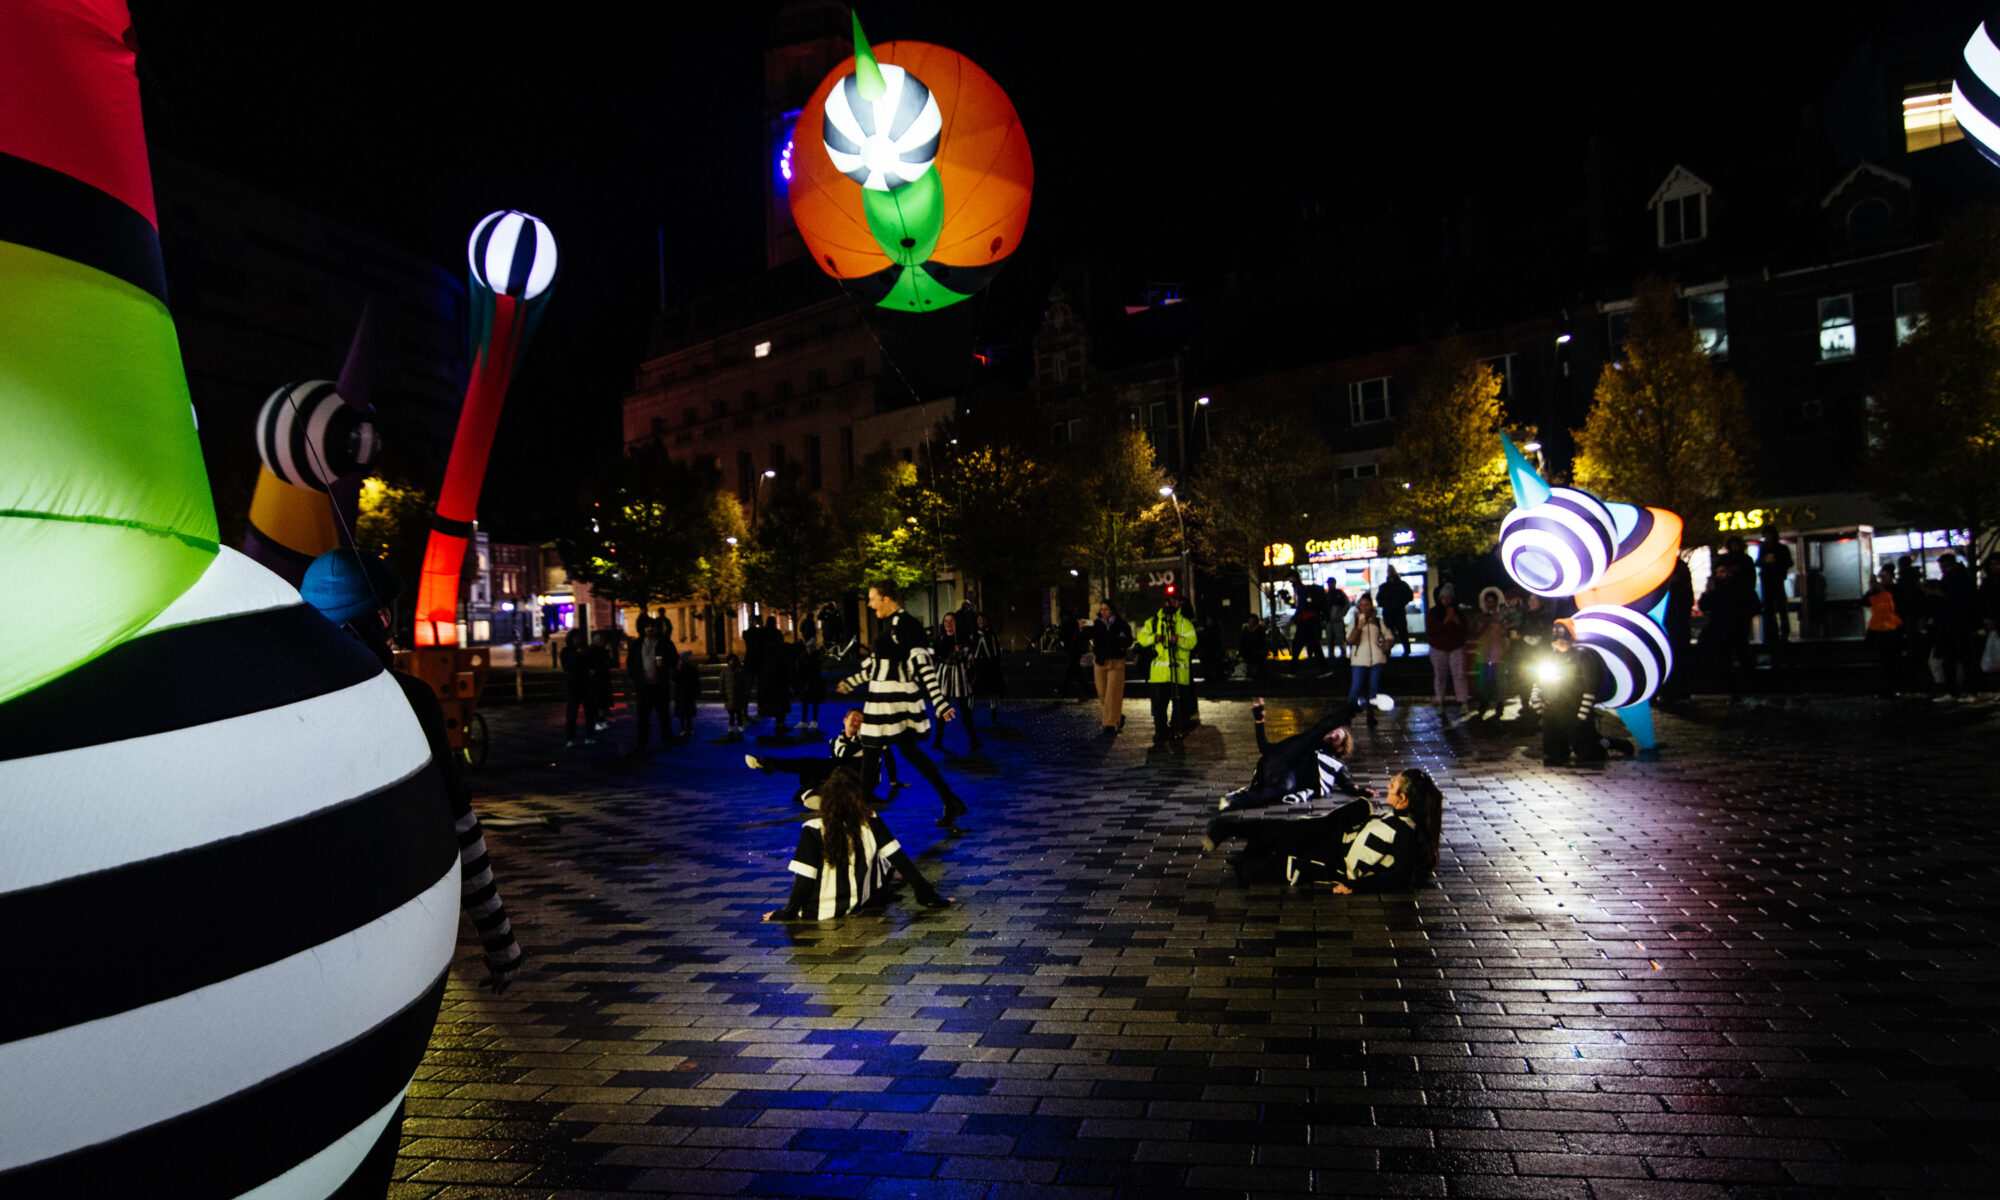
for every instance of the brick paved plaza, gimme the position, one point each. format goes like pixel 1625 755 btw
pixel 1762 966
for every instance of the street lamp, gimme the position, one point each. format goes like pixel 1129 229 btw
pixel 1207 431
pixel 1187 564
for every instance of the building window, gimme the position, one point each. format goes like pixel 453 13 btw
pixel 691 415
pixel 1364 471
pixel 749 398
pixel 856 370
pixel 1617 319
pixel 1683 219
pixel 781 391
pixel 1368 401
pixel 1836 327
pixel 1708 316
pixel 1502 366
pixel 847 453
pixel 745 472
pixel 1927 117
pixel 719 407
pixel 1909 317
pixel 816 380
pixel 1156 415
pixel 777 456
pixel 812 462
pixel 762 350
pixel 659 426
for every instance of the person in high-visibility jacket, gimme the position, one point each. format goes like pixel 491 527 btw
pixel 1171 637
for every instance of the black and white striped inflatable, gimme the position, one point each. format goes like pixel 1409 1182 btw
pixel 887 142
pixel 512 254
pixel 309 437
pixel 1975 93
pixel 230 891
pixel 1636 652
pixel 1561 546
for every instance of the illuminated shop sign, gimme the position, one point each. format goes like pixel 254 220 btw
pixel 1280 555
pixel 1335 549
pixel 1740 520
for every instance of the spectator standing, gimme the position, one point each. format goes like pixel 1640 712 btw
pixel 774 676
pixel 648 664
pixel 1445 630
pixel 1489 642
pixel 989 671
pixel 1954 618
pixel 1252 647
pixel 1307 627
pixel 1369 644
pixel 1392 600
pixel 1337 605
pixel 735 696
pixel 1885 629
pixel 1680 631
pixel 577 689
pixel 1726 636
pixel 1110 642
pixel 1171 637
pixel 811 684
pixel 687 692
pixel 1774 567
pixel 600 662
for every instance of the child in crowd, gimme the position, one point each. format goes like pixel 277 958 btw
pixel 687 692
pixel 736 696
pixel 846 858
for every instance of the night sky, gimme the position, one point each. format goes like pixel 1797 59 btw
pixel 1169 148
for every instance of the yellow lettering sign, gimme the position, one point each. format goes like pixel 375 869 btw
pixel 1354 546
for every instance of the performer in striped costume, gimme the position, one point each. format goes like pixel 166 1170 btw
pixel 844 750
pixel 1301 768
pixel 900 672
pixel 845 857
pixel 1355 847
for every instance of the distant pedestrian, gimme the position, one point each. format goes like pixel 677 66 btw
pixel 1885 630
pixel 1368 644
pixel 1726 637
pixel 847 858
pixel 599 661
pixel 1445 630
pixel 1171 637
pixel 1253 648
pixel 954 667
pixel 1489 645
pixel 1392 600
pixel 900 673
pixel 1774 569
pixel 1308 628
pixel 989 670
pixel 687 692
pixel 808 668
pixel 1337 605
pixel 774 676
pixel 1110 642
pixel 1952 618
pixel 1679 625
pixel 649 666
pixel 578 690
pixel 735 696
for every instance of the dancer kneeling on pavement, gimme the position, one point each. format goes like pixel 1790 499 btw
pixel 1567 684
pixel 1301 768
pixel 845 859
pixel 845 750
pixel 1356 848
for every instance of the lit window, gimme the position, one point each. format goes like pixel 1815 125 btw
pixel 1909 317
pixel 1927 116
pixel 1836 327
pixel 1708 316
pixel 1368 401
pixel 763 350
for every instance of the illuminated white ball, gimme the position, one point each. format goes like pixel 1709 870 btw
pixel 309 437
pixel 1636 652
pixel 512 254
pixel 1561 546
pixel 887 142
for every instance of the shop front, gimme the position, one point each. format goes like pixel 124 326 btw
pixel 1355 563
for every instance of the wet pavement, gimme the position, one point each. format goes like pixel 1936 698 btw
pixel 1764 965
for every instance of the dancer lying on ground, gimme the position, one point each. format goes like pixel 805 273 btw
pixel 1355 847
pixel 845 859
pixel 1303 767
pixel 844 750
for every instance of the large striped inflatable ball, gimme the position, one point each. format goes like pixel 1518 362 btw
pixel 1975 93
pixel 512 254
pixel 886 142
pixel 1636 652
pixel 1558 547
pixel 309 437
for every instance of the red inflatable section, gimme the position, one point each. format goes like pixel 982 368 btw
pixel 69 96
pixel 458 500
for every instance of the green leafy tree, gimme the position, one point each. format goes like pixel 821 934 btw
pixel 1445 477
pixel 1668 427
pixel 1934 430
pixel 647 526
pixel 1263 483
pixel 393 522
pixel 996 506
pixel 717 579
pixel 1116 512
pixel 787 563
pixel 874 533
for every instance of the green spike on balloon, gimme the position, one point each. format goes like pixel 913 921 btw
pixel 1529 488
pixel 867 73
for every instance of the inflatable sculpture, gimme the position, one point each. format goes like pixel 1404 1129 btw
pixel 315 440
pixel 1975 92
pixel 1615 559
pixel 227 869
pixel 513 260
pixel 911 175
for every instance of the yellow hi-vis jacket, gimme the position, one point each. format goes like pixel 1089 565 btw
pixel 1172 640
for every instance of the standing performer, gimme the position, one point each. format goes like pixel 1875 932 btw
pixel 900 673
pixel 1172 637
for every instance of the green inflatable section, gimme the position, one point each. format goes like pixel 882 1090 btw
pixel 104 501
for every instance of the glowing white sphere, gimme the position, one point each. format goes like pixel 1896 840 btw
pixel 1636 652
pixel 886 142
pixel 1561 546
pixel 512 254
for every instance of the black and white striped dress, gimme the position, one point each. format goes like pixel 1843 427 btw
pixel 228 881
pixel 841 890
pixel 900 673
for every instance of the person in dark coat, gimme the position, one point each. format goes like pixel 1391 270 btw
pixel 599 661
pixel 811 684
pixel 687 692
pixel 989 671
pixel 774 676
pixel 649 665
pixel 1308 628
pixel 577 689
pixel 1726 636
pixel 1392 600
pixel 1568 682
pixel 1253 647
pixel 1774 566
pixel 1680 631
